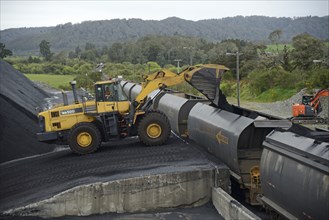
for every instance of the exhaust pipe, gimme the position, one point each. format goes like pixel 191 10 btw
pixel 65 100
pixel 73 83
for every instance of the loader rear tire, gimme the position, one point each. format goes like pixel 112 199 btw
pixel 84 138
pixel 154 128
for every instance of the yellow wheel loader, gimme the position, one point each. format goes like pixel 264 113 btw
pixel 84 125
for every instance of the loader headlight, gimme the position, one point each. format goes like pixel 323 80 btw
pixel 42 123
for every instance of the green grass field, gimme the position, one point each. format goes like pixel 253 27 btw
pixel 54 81
pixel 275 94
pixel 274 47
pixel 271 95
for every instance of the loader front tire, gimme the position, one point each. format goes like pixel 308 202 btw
pixel 84 138
pixel 154 128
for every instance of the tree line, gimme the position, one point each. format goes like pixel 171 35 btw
pixel 68 36
pixel 302 63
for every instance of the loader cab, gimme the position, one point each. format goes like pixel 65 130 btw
pixel 110 97
pixel 306 99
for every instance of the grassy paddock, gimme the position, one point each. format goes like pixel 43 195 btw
pixel 55 81
pixel 274 47
pixel 271 95
pixel 275 94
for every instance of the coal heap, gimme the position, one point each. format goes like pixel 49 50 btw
pixel 18 99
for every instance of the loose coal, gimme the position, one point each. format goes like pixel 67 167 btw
pixel 18 99
pixel 15 86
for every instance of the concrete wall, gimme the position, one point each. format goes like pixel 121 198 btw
pixel 229 208
pixel 184 189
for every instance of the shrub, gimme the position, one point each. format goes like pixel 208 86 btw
pixel 67 70
pixel 284 79
pixel 85 68
pixel 153 67
pixel 262 80
pixel 228 88
pixel 247 67
pixel 319 78
pixel 228 76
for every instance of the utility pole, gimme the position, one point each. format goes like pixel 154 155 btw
pixel 178 60
pixel 237 54
pixel 191 49
pixel 320 62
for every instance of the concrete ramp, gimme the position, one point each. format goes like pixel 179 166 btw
pixel 139 194
pixel 124 176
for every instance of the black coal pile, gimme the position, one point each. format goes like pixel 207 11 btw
pixel 18 99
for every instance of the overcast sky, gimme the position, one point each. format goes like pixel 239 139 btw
pixel 50 13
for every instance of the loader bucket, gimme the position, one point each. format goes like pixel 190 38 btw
pixel 206 79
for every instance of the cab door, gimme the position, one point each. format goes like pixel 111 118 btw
pixel 110 98
pixel 104 103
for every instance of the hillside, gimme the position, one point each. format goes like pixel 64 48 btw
pixel 24 41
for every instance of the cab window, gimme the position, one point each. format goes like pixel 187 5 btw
pixel 99 93
pixel 110 92
pixel 121 95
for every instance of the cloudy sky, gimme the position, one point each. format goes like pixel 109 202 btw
pixel 50 13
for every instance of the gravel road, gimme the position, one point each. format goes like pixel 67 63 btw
pixel 283 108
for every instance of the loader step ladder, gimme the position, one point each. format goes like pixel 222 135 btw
pixel 110 122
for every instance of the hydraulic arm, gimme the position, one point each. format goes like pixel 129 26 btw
pixel 205 78
pixel 307 112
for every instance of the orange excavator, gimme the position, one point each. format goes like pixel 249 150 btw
pixel 307 112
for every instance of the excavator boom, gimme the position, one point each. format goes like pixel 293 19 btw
pixel 316 99
pixel 307 112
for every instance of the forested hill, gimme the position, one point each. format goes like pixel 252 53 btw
pixel 69 36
